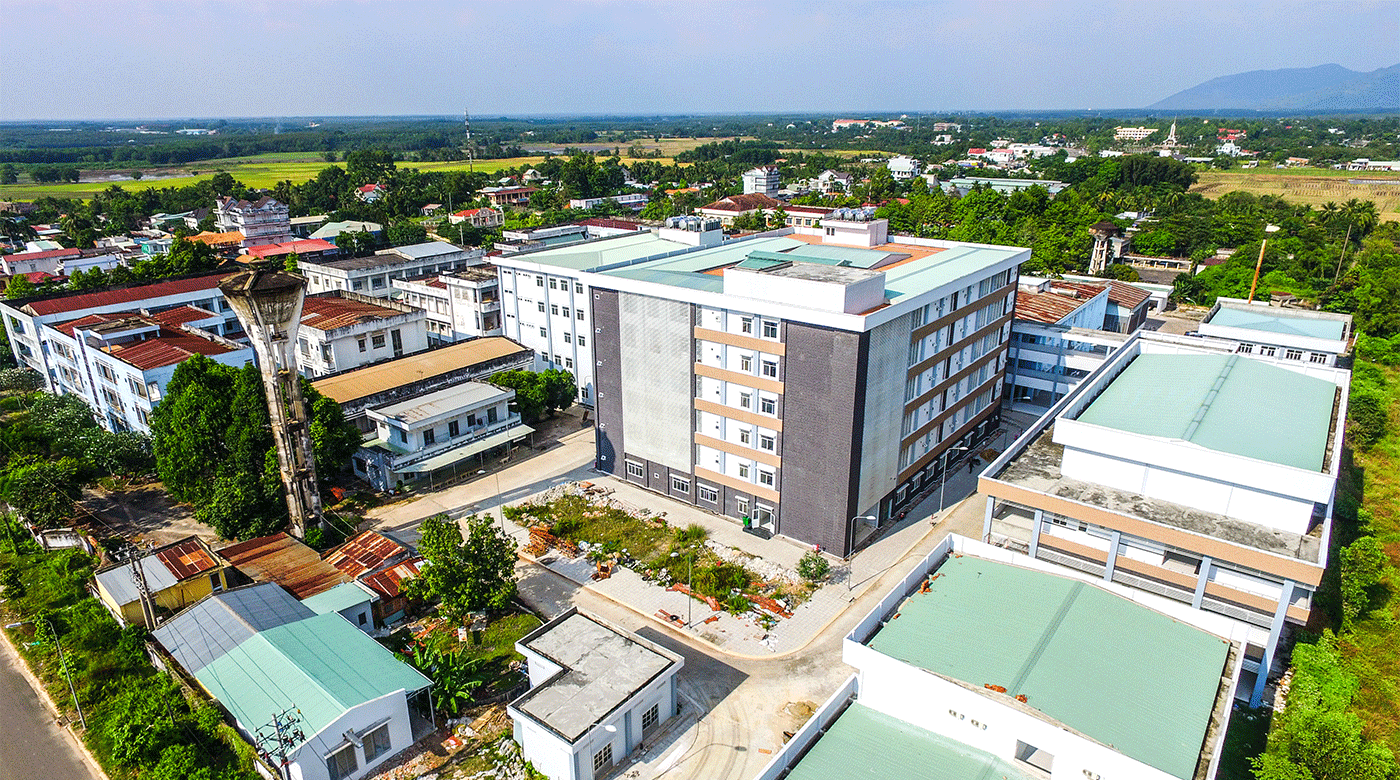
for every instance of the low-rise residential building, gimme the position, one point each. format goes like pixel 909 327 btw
pixel 987 664
pixel 805 216
pixel 1132 133
pixel 596 693
pixel 45 261
pixel 175 575
pixel 1057 339
pixel 461 305
pixel 392 604
pixel 374 275
pixel 479 218
pixel 903 168
pixel 1317 337
pixel 284 560
pixel 635 201
pixel 230 241
pixel 764 180
pixel 964 184
pixel 508 196
pixel 829 181
pixel 332 231
pixel 369 193
pixel 437 432
pixel 346 703
pixel 262 221
pixel 1185 469
pixel 350 600
pixel 411 376
pixel 343 330
pixel 302 227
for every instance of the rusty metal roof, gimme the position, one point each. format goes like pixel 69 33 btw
pixel 286 561
pixel 1046 307
pixel 166 349
pixel 386 583
pixel 329 312
pixel 187 558
pixel 364 553
pixel 390 374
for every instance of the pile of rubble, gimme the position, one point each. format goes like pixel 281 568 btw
pixel 765 570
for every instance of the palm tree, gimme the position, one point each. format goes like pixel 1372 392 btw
pixel 1362 214
pixel 16 228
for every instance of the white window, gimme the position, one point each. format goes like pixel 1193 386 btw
pixel 746 363
pixel 543 333
pixel 770 329
pixel 541 306
pixel 554 309
pixel 578 289
pixel 579 313
pixel 377 741
pixel 744 471
pixel 553 284
pixel 1245 349
pixel 745 435
pixel 1267 351
pixel 679 485
pixel 768 405
pixel 566 311
pixel 539 281
pixel 635 469
pixel 568 338
pixel 770 369
pixel 708 494
pixel 341 763
pixel 569 363
pixel 746 324
pixel 1293 354
pixel 602 759
pixel 1317 357
pixel 581 341
pixel 652 716
pixel 765 477
pixel 746 400
pixel 377 340
pixel 766 442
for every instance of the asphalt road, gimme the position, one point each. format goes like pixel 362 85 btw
pixel 32 746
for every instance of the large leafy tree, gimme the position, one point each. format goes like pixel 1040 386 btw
pixel 214 448
pixel 539 393
pixel 43 491
pixel 464 573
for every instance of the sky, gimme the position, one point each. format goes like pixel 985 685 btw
pixel 127 59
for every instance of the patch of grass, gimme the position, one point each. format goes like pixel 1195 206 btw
pixel 575 519
pixel 1371 650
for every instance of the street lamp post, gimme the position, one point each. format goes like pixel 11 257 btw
pixel 851 566
pixel 500 507
pixel 689 583
pixel 943 482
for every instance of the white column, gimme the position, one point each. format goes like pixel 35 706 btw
pixel 1275 629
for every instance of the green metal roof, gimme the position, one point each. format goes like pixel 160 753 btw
pixel 941 268
pixel 1272 320
pixel 864 744
pixel 1116 671
pixel 322 665
pixel 603 253
pixel 1226 403
pixel 343 596
pixel 842 255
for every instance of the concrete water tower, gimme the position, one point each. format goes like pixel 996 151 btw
pixel 268 304
pixel 1104 233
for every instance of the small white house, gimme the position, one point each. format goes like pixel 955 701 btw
pixel 903 168
pixel 596 693
pixel 344 330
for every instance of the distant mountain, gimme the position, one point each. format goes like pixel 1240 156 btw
pixel 1323 88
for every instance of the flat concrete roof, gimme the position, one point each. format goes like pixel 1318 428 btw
pixel 602 670
pixel 467 395
pixel 865 744
pixel 1280 321
pixel 1118 672
pixel 1038 468
pixel 1226 403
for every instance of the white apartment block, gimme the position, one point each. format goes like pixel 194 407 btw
pixel 1132 133
pixel 763 180
pixel 344 330
pixel 263 221
pixel 460 305
pixel 374 275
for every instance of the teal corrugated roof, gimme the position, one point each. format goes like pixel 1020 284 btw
pixel 321 665
pixel 1226 403
pixel 1116 671
pixel 343 596
pixel 864 744
pixel 847 255
pixel 1276 321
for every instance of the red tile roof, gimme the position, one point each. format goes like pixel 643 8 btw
pixel 42 255
pixel 751 202
pixel 89 320
pixel 136 294
pixel 470 212
pixel 365 553
pixel 288 247
pixel 369 188
pixel 386 583
pixel 167 349
pixel 331 312
pixel 1126 295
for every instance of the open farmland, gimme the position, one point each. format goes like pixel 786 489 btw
pixel 1311 186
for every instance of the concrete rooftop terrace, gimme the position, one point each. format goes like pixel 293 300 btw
pixel 602 669
pixel 909 269
pixel 1225 403
pixel 1115 671
pixel 1038 468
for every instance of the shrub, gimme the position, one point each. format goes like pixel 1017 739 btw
pixel 691 534
pixel 813 567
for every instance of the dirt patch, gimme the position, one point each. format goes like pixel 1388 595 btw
pixel 142 513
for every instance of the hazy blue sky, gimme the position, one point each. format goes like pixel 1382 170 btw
pixel 67 59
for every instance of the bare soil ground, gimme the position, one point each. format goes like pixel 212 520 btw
pixel 143 513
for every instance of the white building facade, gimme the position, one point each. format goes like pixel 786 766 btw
pixel 341 331
pixel 263 221
pixel 374 275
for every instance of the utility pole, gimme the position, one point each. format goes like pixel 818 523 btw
pixel 62 664
pixel 277 738
pixel 143 591
pixel 471 149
